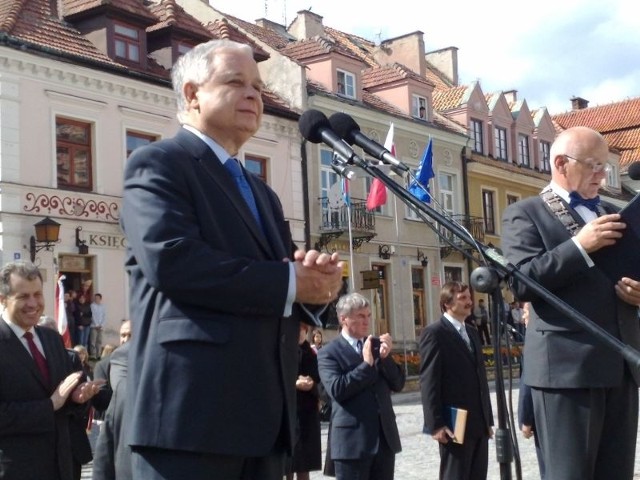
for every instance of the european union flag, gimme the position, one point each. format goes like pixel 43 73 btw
pixel 424 174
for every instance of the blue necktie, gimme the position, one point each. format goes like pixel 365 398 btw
pixel 591 203
pixel 233 167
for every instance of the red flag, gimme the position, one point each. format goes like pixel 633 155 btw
pixel 378 193
pixel 60 313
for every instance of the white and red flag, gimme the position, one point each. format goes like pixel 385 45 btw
pixel 61 313
pixel 378 192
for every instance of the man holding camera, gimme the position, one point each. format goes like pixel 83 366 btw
pixel 359 374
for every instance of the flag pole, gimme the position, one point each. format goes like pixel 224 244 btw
pixel 351 280
pixel 404 337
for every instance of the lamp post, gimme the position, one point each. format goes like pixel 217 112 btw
pixel 47 233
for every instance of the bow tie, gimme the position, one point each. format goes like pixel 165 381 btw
pixel 591 203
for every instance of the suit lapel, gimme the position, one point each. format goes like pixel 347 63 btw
pixel 14 348
pixel 51 351
pixel 219 175
pixel 457 339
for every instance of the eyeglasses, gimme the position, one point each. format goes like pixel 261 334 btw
pixel 595 167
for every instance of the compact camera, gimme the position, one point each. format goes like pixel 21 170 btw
pixel 375 347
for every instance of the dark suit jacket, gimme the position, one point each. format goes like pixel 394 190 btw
pixel 451 375
pixel 113 456
pixel 360 399
pixel 216 363
pixel 32 436
pixel 559 353
pixel 101 400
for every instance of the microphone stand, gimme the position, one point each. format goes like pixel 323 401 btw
pixel 500 266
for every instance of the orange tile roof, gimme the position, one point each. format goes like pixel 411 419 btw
pixel 272 38
pixel 393 73
pixel 34 23
pixel 76 8
pixel 439 79
pixel 172 15
pixel 223 29
pixel 449 99
pixel 618 122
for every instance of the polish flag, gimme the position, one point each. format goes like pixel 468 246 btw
pixel 378 193
pixel 61 313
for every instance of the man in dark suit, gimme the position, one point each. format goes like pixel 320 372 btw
pixel 359 379
pixel 36 379
pixel 585 398
pixel 452 375
pixel 217 287
pixel 112 458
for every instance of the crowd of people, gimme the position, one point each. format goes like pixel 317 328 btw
pixel 219 378
pixel 86 319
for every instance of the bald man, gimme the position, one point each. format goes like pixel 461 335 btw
pixel 585 397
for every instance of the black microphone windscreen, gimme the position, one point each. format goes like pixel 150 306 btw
pixel 634 171
pixel 311 124
pixel 344 126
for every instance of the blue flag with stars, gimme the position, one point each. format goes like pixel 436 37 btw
pixel 423 175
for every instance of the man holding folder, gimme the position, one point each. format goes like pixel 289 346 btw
pixel 453 382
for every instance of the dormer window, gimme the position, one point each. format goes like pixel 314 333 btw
pixel 183 48
pixel 346 84
pixel 419 107
pixel 127 42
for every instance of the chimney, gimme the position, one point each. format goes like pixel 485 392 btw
pixel 407 49
pixel 446 61
pixel 579 103
pixel 306 25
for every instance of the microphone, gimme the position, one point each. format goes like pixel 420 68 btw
pixel 634 171
pixel 347 128
pixel 314 126
pixel 344 170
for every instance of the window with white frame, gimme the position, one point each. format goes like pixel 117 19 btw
pixel 545 156
pixel 327 175
pixel 500 137
pixel 613 176
pixel 512 198
pixel 346 84
pixel 476 134
pixel 419 107
pixel 446 187
pixel 523 150
pixel 489 211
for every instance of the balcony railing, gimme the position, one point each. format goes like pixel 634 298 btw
pixel 474 225
pixel 335 222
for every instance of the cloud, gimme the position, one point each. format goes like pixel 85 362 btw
pixel 551 51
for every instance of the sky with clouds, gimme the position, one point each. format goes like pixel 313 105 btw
pixel 549 50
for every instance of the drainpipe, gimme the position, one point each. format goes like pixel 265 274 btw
pixel 305 194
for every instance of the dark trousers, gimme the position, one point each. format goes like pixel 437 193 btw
pixel 485 336
pixel 588 434
pixel 380 466
pixel 160 464
pixel 469 461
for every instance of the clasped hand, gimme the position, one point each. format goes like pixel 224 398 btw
pixel 318 276
pixel 79 393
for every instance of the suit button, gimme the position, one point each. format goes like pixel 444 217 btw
pixel 283 339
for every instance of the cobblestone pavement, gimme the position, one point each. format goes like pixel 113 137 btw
pixel 420 460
